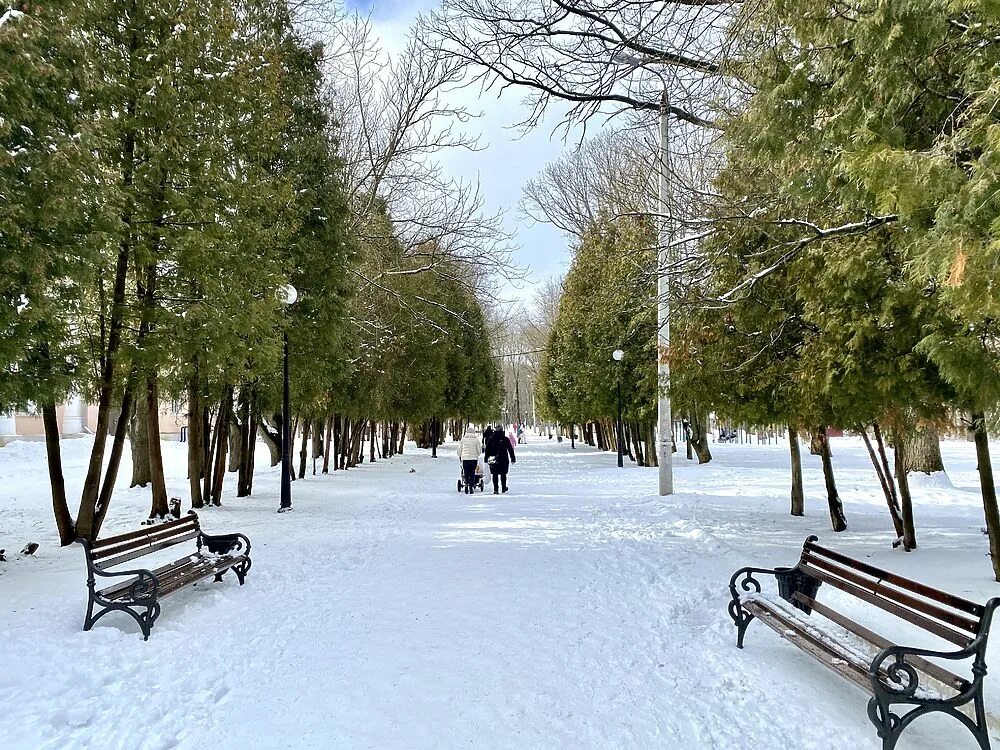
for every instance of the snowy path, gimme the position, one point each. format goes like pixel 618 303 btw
pixel 389 611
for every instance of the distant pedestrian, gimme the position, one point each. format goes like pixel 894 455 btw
pixel 512 437
pixel 499 457
pixel 468 454
pixel 486 435
pixel 520 434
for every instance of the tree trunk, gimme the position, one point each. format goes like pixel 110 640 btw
pixel 888 489
pixel 317 438
pixel 402 438
pixel 206 437
pixel 343 435
pixel 798 497
pixel 357 443
pixel 239 440
pixel 196 440
pixel 328 438
pixel 250 453
pixel 304 451
pixel 139 440
pixel 114 459
pixel 816 443
pixel 906 501
pixel 989 489
pixel 233 432
pixel 336 439
pixel 371 441
pixel 637 448
pixel 837 519
pixel 221 445
pixel 699 438
pixel 272 439
pixel 651 455
pixel 923 450
pixel 87 525
pixel 53 454
pixel 160 505
pixel 210 440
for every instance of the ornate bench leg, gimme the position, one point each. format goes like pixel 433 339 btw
pixel 741 619
pixel 886 723
pixel 89 619
pixel 147 619
pixel 241 570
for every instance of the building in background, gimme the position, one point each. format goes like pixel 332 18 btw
pixel 76 417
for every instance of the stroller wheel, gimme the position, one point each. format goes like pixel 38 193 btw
pixel 459 485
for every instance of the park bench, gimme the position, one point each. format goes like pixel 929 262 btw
pixel 140 592
pixel 892 674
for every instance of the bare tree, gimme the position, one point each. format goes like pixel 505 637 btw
pixel 599 56
pixel 394 124
pixel 607 173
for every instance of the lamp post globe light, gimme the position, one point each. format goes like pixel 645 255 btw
pixel 287 295
pixel 618 355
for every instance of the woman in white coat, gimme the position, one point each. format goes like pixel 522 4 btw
pixel 468 453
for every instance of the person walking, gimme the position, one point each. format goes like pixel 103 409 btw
pixel 499 457
pixel 486 435
pixel 468 454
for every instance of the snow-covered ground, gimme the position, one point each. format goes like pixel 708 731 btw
pixel 390 611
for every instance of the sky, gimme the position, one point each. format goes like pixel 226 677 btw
pixel 507 160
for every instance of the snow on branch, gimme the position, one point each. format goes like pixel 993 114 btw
pixel 797 246
pixel 9 14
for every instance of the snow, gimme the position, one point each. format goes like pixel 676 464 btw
pixel 390 611
pixel 10 14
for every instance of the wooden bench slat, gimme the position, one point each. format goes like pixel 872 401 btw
pixel 154 534
pixel 184 570
pixel 934 670
pixel 181 582
pixel 878 588
pixel 815 647
pixel 163 573
pixel 147 550
pixel 931 626
pixel 120 538
pixel 928 592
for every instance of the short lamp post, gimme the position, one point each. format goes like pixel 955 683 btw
pixel 618 356
pixel 287 295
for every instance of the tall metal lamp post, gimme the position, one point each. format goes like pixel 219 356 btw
pixel 664 419
pixel 287 295
pixel 618 356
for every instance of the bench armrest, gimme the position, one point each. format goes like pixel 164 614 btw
pixel 749 584
pixel 224 544
pixel 902 678
pixel 905 677
pixel 144 587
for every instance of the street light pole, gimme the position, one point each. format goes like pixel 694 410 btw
pixel 664 419
pixel 618 356
pixel 286 438
pixel 287 295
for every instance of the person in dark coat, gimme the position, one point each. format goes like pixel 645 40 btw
pixel 486 435
pixel 499 456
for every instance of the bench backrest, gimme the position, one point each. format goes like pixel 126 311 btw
pixel 948 616
pixel 114 550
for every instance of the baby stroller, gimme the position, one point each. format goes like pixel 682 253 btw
pixel 478 484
